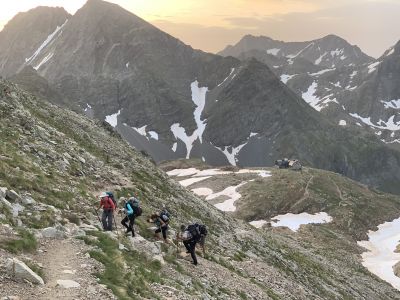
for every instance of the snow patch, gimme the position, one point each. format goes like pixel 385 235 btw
pixel 294 221
pixel 180 132
pixel 337 52
pixel 353 74
pixel 310 98
pixel 88 106
pixel 202 191
pixel 372 67
pixel 231 155
pixel 141 130
pixel 388 125
pixel 46 42
pixel 231 192
pixel 127 65
pixel 380 256
pixel 199 98
pixel 273 51
pixel 44 60
pixel 322 72
pixel 392 104
pixel 391 51
pixel 191 181
pixel 285 77
pixel 342 123
pixel 258 224
pixel 318 61
pixel 153 135
pixel 113 119
pixel 174 146
pixel 232 70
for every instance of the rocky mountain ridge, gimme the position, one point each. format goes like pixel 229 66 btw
pixel 172 101
pixel 351 92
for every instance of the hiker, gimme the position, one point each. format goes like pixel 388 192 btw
pixel 108 210
pixel 162 221
pixel 132 210
pixel 191 235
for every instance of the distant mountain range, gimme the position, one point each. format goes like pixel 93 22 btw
pixel 336 78
pixel 173 101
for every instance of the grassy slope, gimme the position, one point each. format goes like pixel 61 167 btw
pixel 355 208
pixel 241 261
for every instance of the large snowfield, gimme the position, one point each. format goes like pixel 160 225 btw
pixel 380 256
pixel 230 192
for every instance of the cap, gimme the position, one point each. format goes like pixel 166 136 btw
pixel 103 194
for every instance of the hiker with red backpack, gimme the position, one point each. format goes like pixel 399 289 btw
pixel 108 207
pixel 132 210
pixel 191 235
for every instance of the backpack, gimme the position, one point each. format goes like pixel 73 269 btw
pixel 134 203
pixel 111 196
pixel 197 230
pixel 164 215
pixel 138 211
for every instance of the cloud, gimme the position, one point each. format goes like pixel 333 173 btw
pixel 373 26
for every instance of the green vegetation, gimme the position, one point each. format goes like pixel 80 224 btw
pixel 26 243
pixel 126 281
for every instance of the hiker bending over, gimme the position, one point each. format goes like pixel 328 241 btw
pixel 108 210
pixel 132 210
pixel 192 235
pixel 162 221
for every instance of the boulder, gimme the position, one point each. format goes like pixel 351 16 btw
pixel 396 269
pixel 68 284
pixel 3 192
pixel 150 249
pixel 20 270
pixel 16 208
pixel 12 195
pixel 53 233
pixel 6 203
pixel 27 200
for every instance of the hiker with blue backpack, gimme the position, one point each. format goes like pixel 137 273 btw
pixel 132 210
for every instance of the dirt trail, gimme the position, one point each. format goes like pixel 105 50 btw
pixel 306 193
pixel 66 260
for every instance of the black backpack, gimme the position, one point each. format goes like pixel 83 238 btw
pixel 138 211
pixel 165 216
pixel 111 196
pixel 197 230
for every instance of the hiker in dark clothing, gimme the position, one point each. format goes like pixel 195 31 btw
pixel 132 210
pixel 108 211
pixel 162 221
pixel 192 235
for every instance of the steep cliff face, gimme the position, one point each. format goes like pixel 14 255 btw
pixel 24 35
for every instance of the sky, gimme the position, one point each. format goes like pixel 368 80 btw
pixel 211 25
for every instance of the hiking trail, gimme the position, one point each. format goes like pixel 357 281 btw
pixel 306 194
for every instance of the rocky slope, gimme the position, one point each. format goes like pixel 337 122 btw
pixel 57 161
pixel 172 101
pixel 351 88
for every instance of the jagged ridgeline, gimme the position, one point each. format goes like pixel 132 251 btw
pixel 173 101
pixel 61 159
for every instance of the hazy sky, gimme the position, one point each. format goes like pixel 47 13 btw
pixel 210 25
